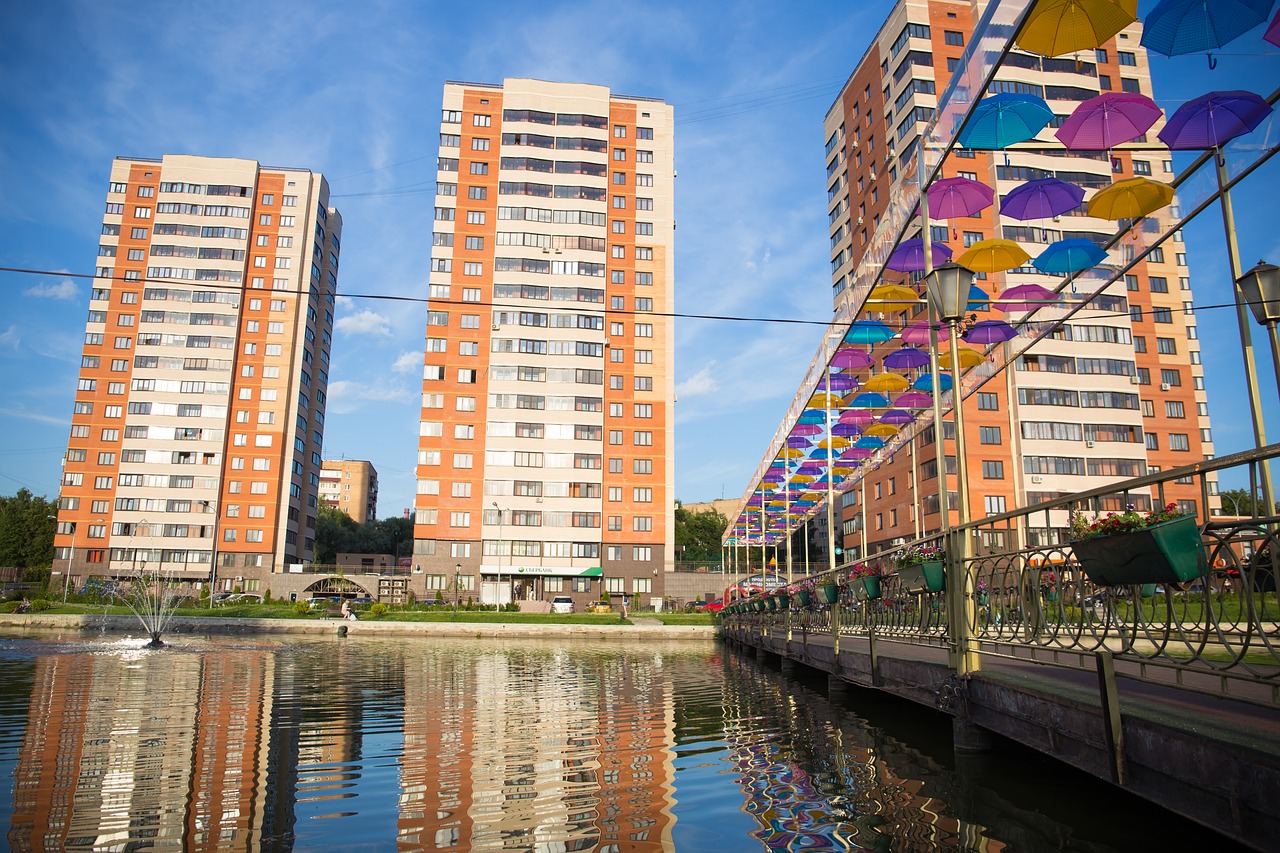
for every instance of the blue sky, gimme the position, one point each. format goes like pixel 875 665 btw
pixel 353 91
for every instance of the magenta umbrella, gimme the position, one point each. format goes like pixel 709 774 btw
pixel 1024 297
pixel 1108 120
pixel 914 400
pixel 951 198
pixel 909 256
pixel 917 333
pixel 1213 120
pixel 1273 31
pixel 906 358
pixel 807 429
pixel 990 332
pixel 856 416
pixel 850 357
pixel 1043 198
pixel 856 453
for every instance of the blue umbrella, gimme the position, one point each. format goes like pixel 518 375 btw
pixel 1067 256
pixel 1175 27
pixel 869 400
pixel 869 442
pixel 1005 119
pixel 812 416
pixel 924 382
pixel 978 299
pixel 868 332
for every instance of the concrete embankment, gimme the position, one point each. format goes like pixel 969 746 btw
pixel 641 628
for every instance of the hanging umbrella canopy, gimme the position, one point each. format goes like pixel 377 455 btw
pixel 883 430
pixel 855 453
pixel 867 332
pixel 917 333
pixel 812 416
pixel 897 417
pixel 968 358
pixel 856 417
pixel 952 198
pixel 1273 31
pixel 993 256
pixel 1057 27
pixel 1131 198
pixel 978 299
pixel 914 400
pixel 1063 258
pixel 850 358
pixel 807 428
pixel 1043 198
pixel 909 256
pixel 1214 119
pixel 836 442
pixel 802 478
pixel 892 297
pixel 870 442
pixel 924 382
pixel 846 429
pixel 1025 297
pixel 799 441
pixel 1005 119
pixel 838 382
pixel 990 332
pixel 1108 120
pixel 825 401
pixel 869 400
pixel 1176 27
pixel 904 359
pixel 886 383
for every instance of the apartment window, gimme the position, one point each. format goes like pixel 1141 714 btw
pixel 479 168
pixel 459 519
pixel 1174 409
pixel 1179 441
pixel 994 504
pixel 988 401
pixel 989 435
pixel 482 120
pixel 993 470
pixel 953 39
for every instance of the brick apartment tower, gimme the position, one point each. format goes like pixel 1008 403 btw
pixel 201 399
pixel 351 485
pixel 1119 392
pixel 546 454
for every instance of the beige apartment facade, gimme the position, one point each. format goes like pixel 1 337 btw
pixel 199 415
pixel 545 463
pixel 350 485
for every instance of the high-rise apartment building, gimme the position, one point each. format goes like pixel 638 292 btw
pixel 545 463
pixel 1118 391
pixel 351 485
pixel 199 415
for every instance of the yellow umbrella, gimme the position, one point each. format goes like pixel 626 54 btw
pixel 766 487
pixel 824 401
pixel 835 441
pixel 802 478
pixel 993 256
pixel 892 297
pixel 811 496
pixel 968 358
pixel 1055 27
pixel 842 472
pixel 1130 199
pixel 882 430
pixel 790 453
pixel 886 382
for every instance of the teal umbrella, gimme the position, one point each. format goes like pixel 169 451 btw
pixel 1005 119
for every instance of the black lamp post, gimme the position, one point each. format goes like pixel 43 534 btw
pixel 457 586
pixel 948 288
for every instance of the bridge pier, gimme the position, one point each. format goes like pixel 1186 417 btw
pixel 969 739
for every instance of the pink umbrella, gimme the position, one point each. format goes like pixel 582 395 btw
pixel 951 198
pixel 856 416
pixel 1273 31
pixel 917 333
pixel 807 429
pixel 914 400
pixel 856 453
pixel 850 357
pixel 1108 120
pixel 1024 297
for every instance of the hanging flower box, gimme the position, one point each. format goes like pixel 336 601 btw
pixel 804 596
pixel 830 593
pixel 772 603
pixel 1167 551
pixel 871 586
pixel 782 601
pixel 918 578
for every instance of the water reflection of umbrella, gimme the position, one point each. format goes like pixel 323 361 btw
pixel 1067 256
pixel 905 359
pixel 1273 31
pixel 914 400
pixel 892 297
pixel 909 256
pixel 1131 198
pixel 869 400
pixel 1175 27
pixel 1055 27
pixel 924 382
pixel 990 332
pixel 1025 297
pixel 1005 119
pixel 1108 120
pixel 850 358
pixel 886 383
pixel 952 198
pixel 1043 198
pixel 867 332
pixel 968 358
pixel 993 256
pixel 897 417
pixel 1214 119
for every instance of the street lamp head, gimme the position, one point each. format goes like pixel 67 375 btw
pixel 948 288
pixel 1261 289
pixel 457 566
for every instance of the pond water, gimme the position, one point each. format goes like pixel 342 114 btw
pixel 350 744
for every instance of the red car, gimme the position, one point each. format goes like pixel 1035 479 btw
pixel 714 606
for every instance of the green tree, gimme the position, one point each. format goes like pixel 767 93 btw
pixel 26 530
pixel 1239 502
pixel 698 534
pixel 337 533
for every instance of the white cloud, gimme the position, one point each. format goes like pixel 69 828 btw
pixel 10 339
pixel 364 322
pixel 408 361
pixel 27 415
pixel 345 396
pixel 701 383
pixel 64 289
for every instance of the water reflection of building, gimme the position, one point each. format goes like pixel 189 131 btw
pixel 176 757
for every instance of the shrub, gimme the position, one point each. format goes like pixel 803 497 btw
pixel 439 597
pixel 301 607
pixel 40 604
pixel 266 595
pixel 377 609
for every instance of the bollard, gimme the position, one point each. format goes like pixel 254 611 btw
pixel 342 630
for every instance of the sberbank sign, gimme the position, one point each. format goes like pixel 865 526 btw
pixel 558 571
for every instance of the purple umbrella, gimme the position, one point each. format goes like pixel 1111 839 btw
pixel 909 256
pixel 1214 119
pixel 1108 120
pixel 856 453
pixel 845 429
pixel 990 332
pixel 951 198
pixel 849 357
pixel 906 358
pixel 837 382
pixel 897 416
pixel 1042 199
pixel 1273 31
pixel 799 441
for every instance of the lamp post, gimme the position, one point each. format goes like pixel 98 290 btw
pixel 213 556
pixel 1260 287
pixel 75 528
pixel 498 605
pixel 457 586
pixel 948 287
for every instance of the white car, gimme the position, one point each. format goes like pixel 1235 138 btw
pixel 562 604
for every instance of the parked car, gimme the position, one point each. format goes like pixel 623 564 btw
pixel 562 604
pixel 714 606
pixel 245 598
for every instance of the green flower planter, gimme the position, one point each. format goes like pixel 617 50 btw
pixel 984 598
pixel 1170 552
pixel 772 603
pixel 871 586
pixel 830 593
pixel 923 577
pixel 805 597
pixel 783 600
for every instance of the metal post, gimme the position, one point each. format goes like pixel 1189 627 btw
pixel 457 586
pixel 75 528
pixel 498 604
pixel 213 559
